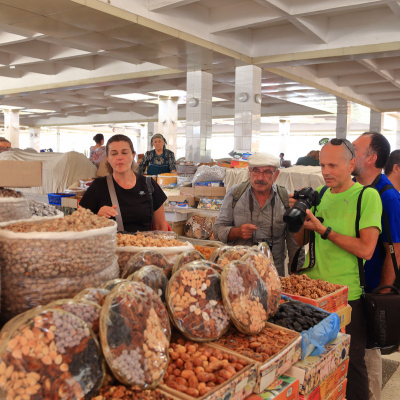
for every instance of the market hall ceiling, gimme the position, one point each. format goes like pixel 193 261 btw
pixel 71 57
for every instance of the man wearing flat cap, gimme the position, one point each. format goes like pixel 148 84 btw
pixel 253 212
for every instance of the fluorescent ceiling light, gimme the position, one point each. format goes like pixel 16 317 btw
pixel 134 96
pixel 218 99
pixel 37 111
pixel 4 107
pixel 12 66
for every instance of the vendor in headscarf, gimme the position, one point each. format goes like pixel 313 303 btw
pixel 158 161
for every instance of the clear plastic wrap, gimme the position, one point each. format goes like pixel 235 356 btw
pixel 195 304
pixel 199 227
pixel 110 285
pixel 245 297
pixel 206 264
pixel 268 273
pixel 234 254
pixel 23 293
pixel 153 277
pixel 133 341
pixel 95 295
pixel 139 288
pixel 264 248
pixel 50 354
pixel 144 258
pixel 84 309
pixel 185 258
pixel 205 250
pixel 206 173
pixel 12 209
pixel 219 252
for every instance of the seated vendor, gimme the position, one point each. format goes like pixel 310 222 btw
pixel 132 196
pixel 158 161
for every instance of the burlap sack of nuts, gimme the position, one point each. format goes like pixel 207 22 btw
pixel 133 341
pixel 245 297
pixel 50 354
pixel 185 258
pixel 194 302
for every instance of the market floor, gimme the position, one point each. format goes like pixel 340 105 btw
pixel 391 377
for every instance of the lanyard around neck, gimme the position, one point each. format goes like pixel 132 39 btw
pixel 251 206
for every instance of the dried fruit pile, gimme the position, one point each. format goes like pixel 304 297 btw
pixel 141 240
pixel 234 254
pixel 297 316
pixel 302 285
pixel 153 277
pixel 260 347
pixel 93 294
pixel 123 393
pixel 185 258
pixel 199 227
pixel 205 250
pixel 10 193
pixel 195 303
pixel 140 260
pixel 196 370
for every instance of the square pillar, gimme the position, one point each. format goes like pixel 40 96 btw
pixel 284 131
pixel 247 109
pixel 152 129
pixel 198 116
pixel 376 120
pixel 167 120
pixel 143 139
pixel 343 118
pixel 11 127
pixel 34 138
pixel 58 141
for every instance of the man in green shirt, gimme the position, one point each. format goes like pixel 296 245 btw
pixel 337 247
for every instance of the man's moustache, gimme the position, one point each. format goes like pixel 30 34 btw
pixel 260 183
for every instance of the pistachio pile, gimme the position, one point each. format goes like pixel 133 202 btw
pixel 4 192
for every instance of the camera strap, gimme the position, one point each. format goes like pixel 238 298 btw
pixel 251 206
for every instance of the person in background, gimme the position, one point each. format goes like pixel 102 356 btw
pixel 98 151
pixel 392 169
pixel 372 153
pixel 160 160
pixel 131 190
pixel 281 158
pixel 312 158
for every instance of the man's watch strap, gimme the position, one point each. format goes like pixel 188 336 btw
pixel 327 232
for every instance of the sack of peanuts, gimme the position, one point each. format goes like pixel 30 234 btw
pixel 153 277
pixel 50 354
pixel 185 258
pixel 199 227
pixel 245 297
pixel 268 273
pixel 133 341
pixel 95 295
pixel 21 293
pixel 195 304
pixel 13 206
pixel 128 245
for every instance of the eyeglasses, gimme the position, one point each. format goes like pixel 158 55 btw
pixel 265 174
pixel 338 142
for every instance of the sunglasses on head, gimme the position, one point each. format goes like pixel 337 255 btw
pixel 338 142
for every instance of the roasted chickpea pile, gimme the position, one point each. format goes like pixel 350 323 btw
pixel 140 240
pixel 302 285
pixel 195 370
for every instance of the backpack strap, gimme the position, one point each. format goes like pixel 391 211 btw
pixel 322 191
pixel 239 192
pixel 114 201
pixel 150 190
pixel 284 196
pixel 386 187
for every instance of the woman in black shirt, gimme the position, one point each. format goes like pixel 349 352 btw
pixel 131 190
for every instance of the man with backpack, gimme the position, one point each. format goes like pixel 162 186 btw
pixel 253 212
pixel 372 153
pixel 347 223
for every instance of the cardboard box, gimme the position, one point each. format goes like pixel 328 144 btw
pixel 238 387
pixel 340 392
pixel 211 184
pixel 314 369
pixel 283 388
pixel 178 227
pixel 69 202
pixel 20 174
pixel 331 302
pixel 210 204
pixel 329 385
pixel 205 191
pixel 175 216
pixel 277 365
pixel 344 315
pixel 180 201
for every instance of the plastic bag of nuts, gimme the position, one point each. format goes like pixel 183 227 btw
pixel 133 340
pixel 245 297
pixel 84 309
pixel 50 354
pixel 206 264
pixel 197 369
pixel 199 227
pixel 264 248
pixel 153 277
pixel 235 253
pixel 144 258
pixel 268 273
pixel 219 252
pixel 185 258
pixel 95 295
pixel 20 293
pixel 12 209
pixel 195 304
pixel 110 285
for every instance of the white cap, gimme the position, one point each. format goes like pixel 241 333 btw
pixel 263 160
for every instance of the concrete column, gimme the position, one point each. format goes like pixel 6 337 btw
pixel 397 147
pixel 198 116
pixel 58 150
pixel 152 129
pixel 247 109
pixel 34 138
pixel 143 139
pixel 284 131
pixel 376 121
pixel 11 127
pixel 167 120
pixel 343 118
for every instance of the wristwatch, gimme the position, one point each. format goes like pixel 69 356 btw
pixel 327 232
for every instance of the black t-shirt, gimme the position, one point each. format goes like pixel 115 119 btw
pixel 134 203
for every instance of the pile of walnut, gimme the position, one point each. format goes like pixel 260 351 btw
pixel 302 285
pixel 139 240
pixel 195 370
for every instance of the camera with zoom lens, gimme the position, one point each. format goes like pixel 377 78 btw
pixel 306 198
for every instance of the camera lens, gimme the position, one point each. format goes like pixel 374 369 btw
pixel 294 219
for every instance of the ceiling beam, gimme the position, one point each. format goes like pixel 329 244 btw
pixel 162 5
